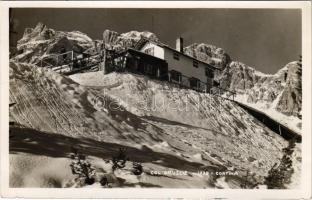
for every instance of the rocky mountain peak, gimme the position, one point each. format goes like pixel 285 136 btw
pixel 42 41
pixel 110 37
pixel 208 53
pixel 40 32
pixel 137 35
pixel 40 26
pixel 129 39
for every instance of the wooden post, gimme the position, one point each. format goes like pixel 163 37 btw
pixel 158 72
pixel 57 63
pixel 71 64
pixel 180 80
pixel 104 61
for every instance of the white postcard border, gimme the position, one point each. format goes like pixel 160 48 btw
pixel 304 192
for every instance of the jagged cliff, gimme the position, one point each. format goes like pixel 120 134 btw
pixel 41 41
pixel 125 40
pixel 290 102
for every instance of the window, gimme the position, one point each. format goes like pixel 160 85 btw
pixel 194 82
pixel 149 69
pixel 195 63
pixel 216 83
pixel 209 72
pixel 176 55
pixel 119 61
pixel 175 76
pixel 149 51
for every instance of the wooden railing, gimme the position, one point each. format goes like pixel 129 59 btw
pixel 72 64
pixel 217 90
pixel 184 82
pixel 75 65
pixel 56 58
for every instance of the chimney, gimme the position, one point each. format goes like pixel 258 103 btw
pixel 179 44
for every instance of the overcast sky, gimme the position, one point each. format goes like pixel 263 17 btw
pixel 265 39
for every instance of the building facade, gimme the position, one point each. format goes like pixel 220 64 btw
pixel 160 61
pixel 182 69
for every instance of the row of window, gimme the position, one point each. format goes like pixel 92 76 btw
pixel 194 82
pixel 176 56
pixel 177 77
pixel 208 71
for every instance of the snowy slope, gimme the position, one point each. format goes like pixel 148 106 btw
pixel 160 102
pixel 217 136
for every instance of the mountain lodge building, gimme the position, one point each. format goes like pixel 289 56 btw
pixel 163 62
pixel 147 57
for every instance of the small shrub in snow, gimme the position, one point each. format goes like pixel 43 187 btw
pixel 137 168
pixel 245 181
pixel 81 167
pixel 119 161
pixel 280 174
pixel 249 181
pixel 104 181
